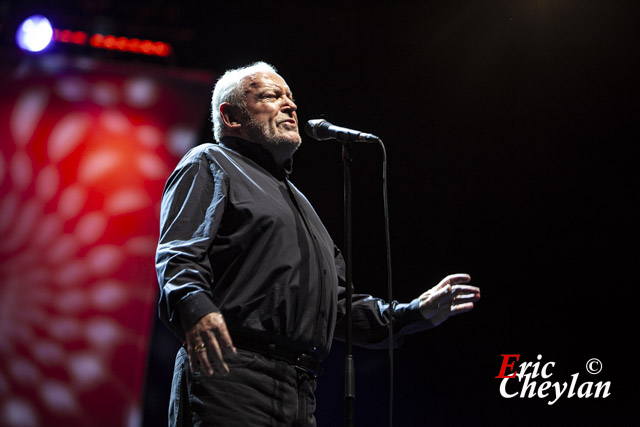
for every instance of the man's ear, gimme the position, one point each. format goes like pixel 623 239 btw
pixel 229 115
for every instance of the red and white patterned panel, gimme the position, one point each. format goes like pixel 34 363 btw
pixel 84 154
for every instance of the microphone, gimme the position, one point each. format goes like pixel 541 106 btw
pixel 321 129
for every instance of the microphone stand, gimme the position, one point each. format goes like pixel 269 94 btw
pixel 320 130
pixel 349 369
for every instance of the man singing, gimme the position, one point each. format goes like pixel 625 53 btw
pixel 250 279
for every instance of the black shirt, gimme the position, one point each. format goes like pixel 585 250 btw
pixel 239 238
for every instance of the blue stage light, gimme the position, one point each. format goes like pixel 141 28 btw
pixel 34 34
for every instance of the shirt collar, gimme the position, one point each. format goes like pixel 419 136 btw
pixel 258 154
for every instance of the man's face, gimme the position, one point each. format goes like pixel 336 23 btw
pixel 271 117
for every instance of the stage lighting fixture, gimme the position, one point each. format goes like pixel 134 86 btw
pixel 34 34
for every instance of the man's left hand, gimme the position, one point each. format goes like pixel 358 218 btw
pixel 449 297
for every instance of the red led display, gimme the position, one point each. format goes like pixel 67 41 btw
pixel 109 42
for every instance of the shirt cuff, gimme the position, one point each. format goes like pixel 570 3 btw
pixel 410 312
pixel 412 321
pixel 193 307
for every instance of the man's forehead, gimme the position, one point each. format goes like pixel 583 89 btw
pixel 265 79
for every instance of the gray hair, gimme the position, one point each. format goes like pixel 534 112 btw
pixel 230 88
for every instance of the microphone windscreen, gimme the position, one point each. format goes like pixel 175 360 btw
pixel 312 126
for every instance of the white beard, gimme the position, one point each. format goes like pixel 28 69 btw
pixel 262 134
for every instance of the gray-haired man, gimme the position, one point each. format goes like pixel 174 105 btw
pixel 250 278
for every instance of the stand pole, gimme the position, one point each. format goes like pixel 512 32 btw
pixel 349 370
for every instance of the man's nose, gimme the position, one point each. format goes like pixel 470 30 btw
pixel 289 104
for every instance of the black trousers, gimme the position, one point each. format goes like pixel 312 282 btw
pixel 257 392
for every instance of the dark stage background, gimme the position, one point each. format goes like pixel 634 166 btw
pixel 511 132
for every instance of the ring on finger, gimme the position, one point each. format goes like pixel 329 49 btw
pixel 199 347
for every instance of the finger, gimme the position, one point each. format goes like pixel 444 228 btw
pixel 466 288
pixel 224 339
pixel 467 297
pixel 191 344
pixel 194 352
pixel 444 282
pixel 461 308
pixel 200 353
pixel 465 292
pixel 457 278
pixel 215 353
pixel 203 361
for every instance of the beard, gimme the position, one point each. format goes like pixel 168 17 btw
pixel 261 133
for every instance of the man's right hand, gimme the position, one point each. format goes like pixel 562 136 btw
pixel 208 341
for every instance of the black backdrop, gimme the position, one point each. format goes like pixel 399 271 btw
pixel 510 129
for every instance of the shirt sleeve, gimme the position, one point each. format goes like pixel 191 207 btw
pixel 193 202
pixel 370 316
